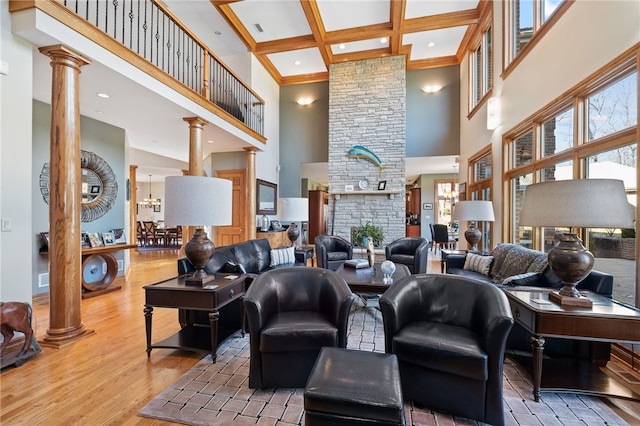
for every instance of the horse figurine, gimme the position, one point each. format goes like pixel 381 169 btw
pixel 16 316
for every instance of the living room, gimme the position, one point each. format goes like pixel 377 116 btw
pixel 591 52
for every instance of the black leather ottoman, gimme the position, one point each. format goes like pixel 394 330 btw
pixel 350 387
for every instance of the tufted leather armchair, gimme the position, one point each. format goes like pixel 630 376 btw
pixel 449 334
pixel 410 251
pixel 291 314
pixel 332 251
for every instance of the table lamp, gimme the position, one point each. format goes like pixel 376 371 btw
pixel 198 201
pixel 474 211
pixel 579 203
pixel 293 210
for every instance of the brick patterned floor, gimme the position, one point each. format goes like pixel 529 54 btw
pixel 218 394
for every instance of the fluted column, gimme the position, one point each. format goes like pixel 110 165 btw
pixel 196 125
pixel 250 220
pixel 65 250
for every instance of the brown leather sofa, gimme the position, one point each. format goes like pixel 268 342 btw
pixel 449 334
pixel 410 251
pixel 291 314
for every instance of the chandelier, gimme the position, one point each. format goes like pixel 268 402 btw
pixel 149 202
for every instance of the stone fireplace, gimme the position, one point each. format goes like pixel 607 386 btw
pixel 367 107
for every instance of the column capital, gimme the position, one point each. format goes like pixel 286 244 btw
pixel 196 121
pixel 59 51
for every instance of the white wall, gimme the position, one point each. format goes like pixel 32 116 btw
pixel 15 164
pixel 587 36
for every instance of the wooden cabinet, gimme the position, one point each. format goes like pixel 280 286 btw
pixel 318 204
pixel 413 199
pixel 413 230
pixel 276 238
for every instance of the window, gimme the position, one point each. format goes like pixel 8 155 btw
pixel 590 132
pixel 525 22
pixel 557 133
pixel 480 189
pixel 613 108
pixel 481 67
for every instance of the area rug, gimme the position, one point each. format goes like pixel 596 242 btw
pixel 218 394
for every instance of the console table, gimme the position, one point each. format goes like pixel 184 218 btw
pixel 607 320
pixel 221 298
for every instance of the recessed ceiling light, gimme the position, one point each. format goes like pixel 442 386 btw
pixel 217 33
pixel 103 95
pixel 342 46
pixel 431 88
pixel 431 44
pixel 210 141
pixel 296 63
pixel 384 40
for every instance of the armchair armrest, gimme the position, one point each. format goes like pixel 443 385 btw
pixel 598 282
pixel 456 261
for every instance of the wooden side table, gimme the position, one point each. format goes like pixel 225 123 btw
pixel 607 321
pixel 308 252
pixel 221 298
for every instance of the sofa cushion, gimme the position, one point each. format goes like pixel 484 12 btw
pixel 282 256
pixel 478 263
pixel 233 268
pixel 539 264
pixel 247 255
pixel 297 331
pixel 220 257
pixel 442 347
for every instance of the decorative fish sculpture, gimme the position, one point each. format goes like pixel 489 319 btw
pixel 360 152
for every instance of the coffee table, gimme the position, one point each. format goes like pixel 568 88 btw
pixel 364 281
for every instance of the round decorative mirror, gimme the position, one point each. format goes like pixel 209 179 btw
pixel 99 186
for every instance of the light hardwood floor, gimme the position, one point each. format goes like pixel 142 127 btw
pixel 105 378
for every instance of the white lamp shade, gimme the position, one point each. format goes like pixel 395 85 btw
pixel 580 203
pixel 197 201
pixel 477 210
pixel 293 209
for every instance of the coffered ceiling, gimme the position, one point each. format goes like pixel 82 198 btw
pixel 297 40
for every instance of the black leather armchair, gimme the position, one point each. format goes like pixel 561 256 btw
pixel 332 251
pixel 291 314
pixel 449 334
pixel 410 251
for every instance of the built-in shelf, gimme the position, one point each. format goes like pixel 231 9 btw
pixel 389 193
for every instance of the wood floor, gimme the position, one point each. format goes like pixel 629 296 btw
pixel 105 378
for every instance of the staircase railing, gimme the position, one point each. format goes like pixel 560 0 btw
pixel 152 32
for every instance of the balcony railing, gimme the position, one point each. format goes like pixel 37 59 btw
pixel 146 28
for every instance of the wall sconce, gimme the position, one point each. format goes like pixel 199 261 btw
pixel 431 88
pixel 493 113
pixel 305 101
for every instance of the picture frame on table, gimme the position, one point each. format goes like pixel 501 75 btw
pixel 94 239
pixel 108 239
pixel 84 240
pixel 119 236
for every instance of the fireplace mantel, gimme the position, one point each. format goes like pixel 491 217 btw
pixel 386 193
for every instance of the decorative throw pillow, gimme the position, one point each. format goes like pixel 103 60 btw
pixel 478 263
pixel 528 278
pixel 283 255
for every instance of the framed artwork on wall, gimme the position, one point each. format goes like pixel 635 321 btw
pixel 462 191
pixel 382 185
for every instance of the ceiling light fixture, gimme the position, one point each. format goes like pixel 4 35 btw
pixel 341 46
pixel 384 40
pixel 431 44
pixel 210 141
pixel 296 63
pixel 305 101
pixel 103 95
pixel 433 88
